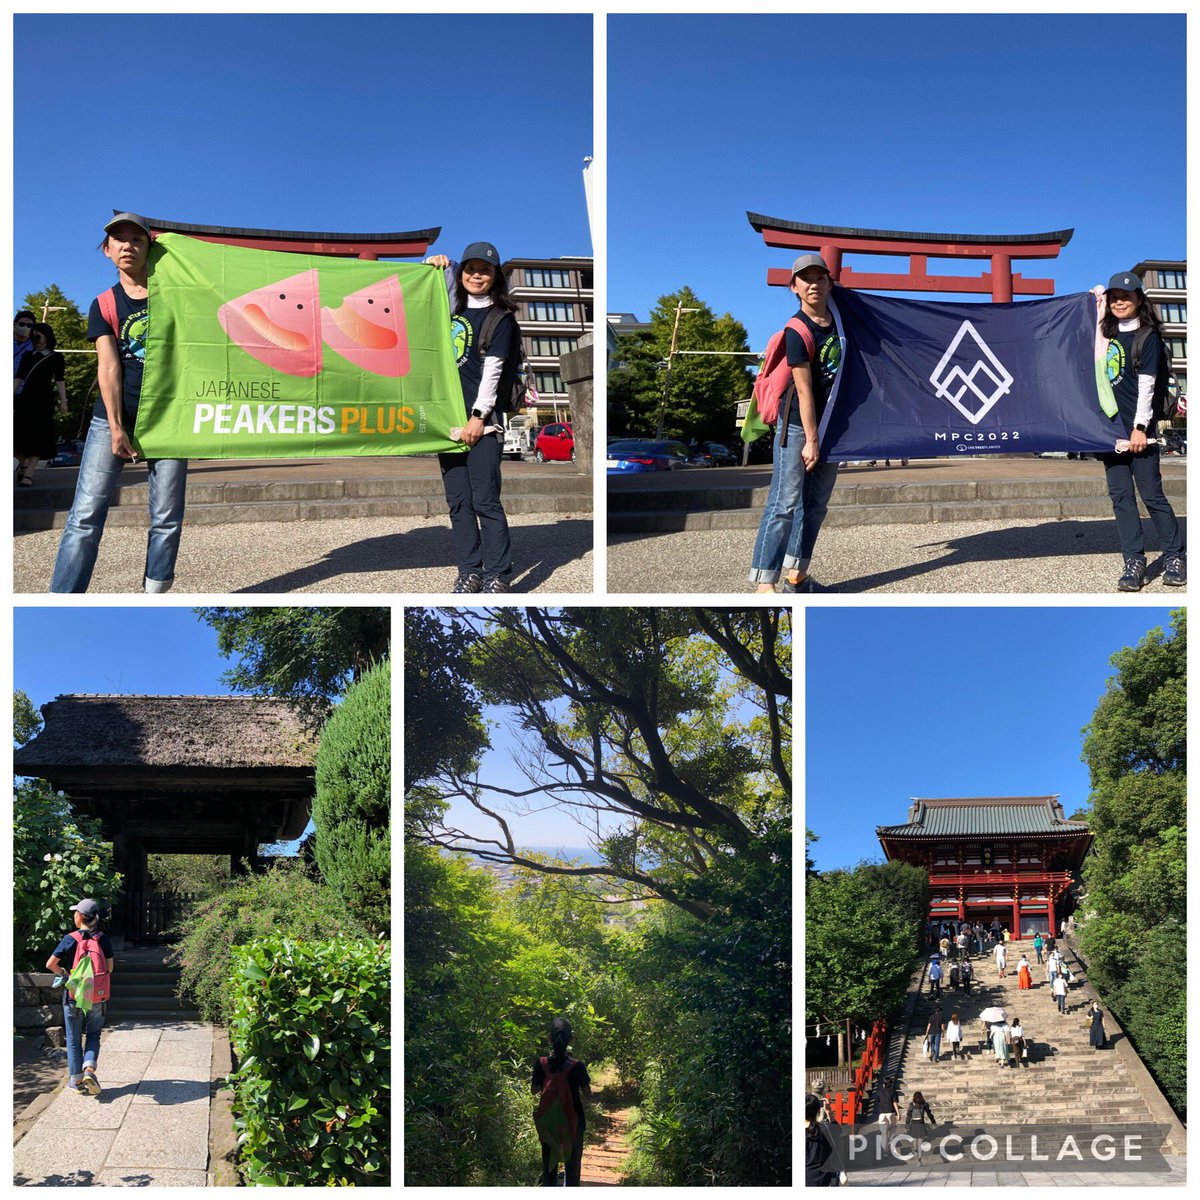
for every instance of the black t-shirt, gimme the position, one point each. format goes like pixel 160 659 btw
pixel 133 319
pixel 577 1078
pixel 466 328
pixel 40 370
pixel 828 353
pixel 1119 366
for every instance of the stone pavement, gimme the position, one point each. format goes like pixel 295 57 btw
pixel 149 1126
pixel 402 555
pixel 930 1177
pixel 1010 556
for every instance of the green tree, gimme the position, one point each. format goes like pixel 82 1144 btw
pixel 57 858
pixel 1134 928
pixel 70 329
pixel 862 930
pixel 352 808
pixel 704 388
pixel 306 655
pixel 187 874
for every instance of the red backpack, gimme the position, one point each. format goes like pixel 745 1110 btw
pixel 774 380
pixel 555 1117
pixel 108 310
pixel 89 944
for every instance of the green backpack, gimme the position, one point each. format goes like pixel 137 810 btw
pixel 555 1117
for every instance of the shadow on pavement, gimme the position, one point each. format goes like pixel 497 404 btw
pixel 538 551
pixel 1054 539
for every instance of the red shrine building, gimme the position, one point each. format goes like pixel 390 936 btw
pixel 1012 858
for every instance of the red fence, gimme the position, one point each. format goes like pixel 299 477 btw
pixel 846 1106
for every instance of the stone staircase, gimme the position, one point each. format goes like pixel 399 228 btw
pixel 1065 1079
pixel 144 988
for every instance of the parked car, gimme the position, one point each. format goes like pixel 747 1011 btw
pixel 713 454
pixel 556 443
pixel 646 454
pixel 67 454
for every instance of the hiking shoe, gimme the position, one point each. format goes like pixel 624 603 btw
pixel 1134 574
pixel 1175 572
pixel 471 582
pixel 807 584
pixel 89 1084
pixel 493 584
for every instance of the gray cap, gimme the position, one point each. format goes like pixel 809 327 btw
pixel 482 250
pixel 88 908
pixel 132 219
pixel 809 260
pixel 1126 281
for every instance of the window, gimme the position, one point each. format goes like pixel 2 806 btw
pixel 1175 314
pixel 1176 347
pixel 549 310
pixel 549 383
pixel 540 277
pixel 1171 279
pixel 552 347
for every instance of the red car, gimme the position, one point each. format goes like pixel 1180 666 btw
pixel 555 442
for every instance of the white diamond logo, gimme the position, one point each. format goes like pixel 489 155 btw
pixel 954 383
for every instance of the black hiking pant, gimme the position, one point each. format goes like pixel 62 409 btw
pixel 574 1163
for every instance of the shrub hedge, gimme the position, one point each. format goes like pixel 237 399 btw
pixel 283 900
pixel 352 807
pixel 311 1029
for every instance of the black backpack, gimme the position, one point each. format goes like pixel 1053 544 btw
pixel 516 380
pixel 1165 406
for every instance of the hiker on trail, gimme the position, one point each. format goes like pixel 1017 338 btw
pixel 1001 956
pixel 801 483
pixel 935 978
pixel 83 1015
pixel 1059 991
pixel 1037 946
pixel 561 1081
pixel 1024 977
pixel 118 322
pixel 966 972
pixel 1135 355
pixel 1096 1034
pixel 487 344
pixel 954 1036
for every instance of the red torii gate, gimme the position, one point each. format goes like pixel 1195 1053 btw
pixel 338 245
pixel 832 241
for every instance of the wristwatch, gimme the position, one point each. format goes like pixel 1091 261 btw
pixel 478 415
pixel 1140 428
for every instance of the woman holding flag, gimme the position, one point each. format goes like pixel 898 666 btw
pixel 82 963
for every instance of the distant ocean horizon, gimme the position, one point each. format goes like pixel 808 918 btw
pixel 585 853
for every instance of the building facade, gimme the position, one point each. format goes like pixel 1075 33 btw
pixel 1165 282
pixel 554 308
pixel 1015 859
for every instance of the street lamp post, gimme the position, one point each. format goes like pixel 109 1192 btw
pixel 662 408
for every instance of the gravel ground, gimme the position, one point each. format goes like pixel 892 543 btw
pixel 971 557
pixel 403 555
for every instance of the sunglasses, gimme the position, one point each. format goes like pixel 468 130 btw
pixel 23 324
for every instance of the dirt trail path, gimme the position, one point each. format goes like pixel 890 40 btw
pixel 603 1161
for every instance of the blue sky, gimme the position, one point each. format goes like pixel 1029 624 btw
pixel 934 702
pixel 959 124
pixel 479 124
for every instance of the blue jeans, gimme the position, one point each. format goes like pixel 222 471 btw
pixel 796 506
pixel 99 470
pixel 83 1035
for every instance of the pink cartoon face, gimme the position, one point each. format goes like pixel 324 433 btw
pixel 279 324
pixel 368 329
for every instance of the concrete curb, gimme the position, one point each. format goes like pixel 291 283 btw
pixel 222 1138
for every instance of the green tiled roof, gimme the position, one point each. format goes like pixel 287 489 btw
pixel 931 819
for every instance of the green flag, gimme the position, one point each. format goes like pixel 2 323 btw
pixel 258 354
pixel 753 426
pixel 79 984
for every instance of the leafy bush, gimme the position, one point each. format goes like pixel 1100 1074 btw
pixel 283 900
pixel 352 809
pixel 57 861
pixel 311 1029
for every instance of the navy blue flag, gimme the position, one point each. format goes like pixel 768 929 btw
pixel 923 379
